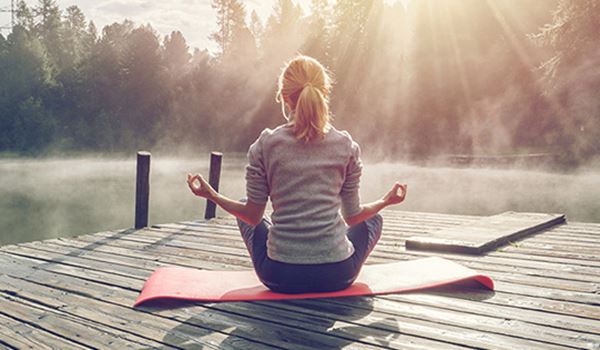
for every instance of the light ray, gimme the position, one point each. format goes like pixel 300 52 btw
pixel 457 54
pixel 526 56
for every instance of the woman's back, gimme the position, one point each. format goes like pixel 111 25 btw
pixel 308 182
pixel 311 171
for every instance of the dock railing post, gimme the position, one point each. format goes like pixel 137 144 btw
pixel 213 179
pixel 142 189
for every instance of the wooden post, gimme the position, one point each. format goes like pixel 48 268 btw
pixel 213 179
pixel 142 189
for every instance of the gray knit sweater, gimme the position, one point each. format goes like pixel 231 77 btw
pixel 308 183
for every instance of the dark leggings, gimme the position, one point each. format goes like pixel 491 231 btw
pixel 303 278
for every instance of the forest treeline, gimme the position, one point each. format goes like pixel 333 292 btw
pixel 438 77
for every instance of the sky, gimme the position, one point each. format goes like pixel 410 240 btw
pixel 194 18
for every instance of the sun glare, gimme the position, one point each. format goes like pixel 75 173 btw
pixel 403 2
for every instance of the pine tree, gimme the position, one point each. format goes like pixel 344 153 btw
pixel 285 32
pixel 176 51
pixel 573 36
pixel 74 37
pixel 256 27
pixel 318 39
pixel 572 79
pixel 48 29
pixel 24 16
pixel 91 37
pixel 230 15
pixel 243 47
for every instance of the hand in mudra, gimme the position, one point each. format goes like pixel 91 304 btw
pixel 396 195
pixel 199 186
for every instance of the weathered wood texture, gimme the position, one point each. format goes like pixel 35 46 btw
pixel 214 178
pixel 142 189
pixel 485 234
pixel 77 294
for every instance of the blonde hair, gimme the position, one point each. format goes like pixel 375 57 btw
pixel 304 85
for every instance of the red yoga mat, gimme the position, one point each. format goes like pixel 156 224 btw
pixel 211 286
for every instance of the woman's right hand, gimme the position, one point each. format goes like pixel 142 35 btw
pixel 396 195
pixel 200 187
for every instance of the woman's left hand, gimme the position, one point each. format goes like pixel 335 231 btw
pixel 203 189
pixel 396 195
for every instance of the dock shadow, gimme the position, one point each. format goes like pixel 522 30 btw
pixel 163 241
pixel 90 247
pixel 315 324
pixel 77 252
pixel 466 290
pixel 326 323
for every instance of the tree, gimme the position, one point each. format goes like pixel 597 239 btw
pixel 143 97
pixel 176 51
pixel 74 37
pixel 420 78
pixel 48 29
pixel 104 76
pixel 92 36
pixel 571 77
pixel 256 27
pixel 317 43
pixel 24 16
pixel 230 21
pixel 349 21
pixel 243 48
pixel 284 34
pixel 3 44
pixel 25 123
pixel 572 36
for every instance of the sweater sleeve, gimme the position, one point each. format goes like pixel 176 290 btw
pixel 350 189
pixel 257 189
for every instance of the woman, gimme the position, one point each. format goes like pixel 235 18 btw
pixel 311 172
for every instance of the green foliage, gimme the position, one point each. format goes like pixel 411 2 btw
pixel 24 16
pixel 439 77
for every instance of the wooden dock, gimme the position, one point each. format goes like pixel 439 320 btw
pixel 78 294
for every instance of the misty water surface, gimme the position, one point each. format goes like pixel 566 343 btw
pixel 66 197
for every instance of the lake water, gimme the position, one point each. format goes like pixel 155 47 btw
pixel 66 197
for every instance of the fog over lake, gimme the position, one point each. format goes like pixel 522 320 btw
pixel 66 197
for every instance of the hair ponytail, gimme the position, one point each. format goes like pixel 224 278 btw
pixel 304 85
pixel 311 117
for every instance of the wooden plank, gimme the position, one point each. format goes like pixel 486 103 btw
pixel 424 224
pixel 120 317
pixel 479 323
pixel 15 334
pixel 213 321
pixel 149 261
pixel 588 257
pixel 562 315
pixel 394 238
pixel 410 326
pixel 485 234
pixel 554 234
pixel 250 325
pixel 398 231
pixel 434 220
pixel 72 328
pixel 100 274
pixel 228 254
pixel 390 245
pixel 501 323
pixel 534 276
pixel 320 311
